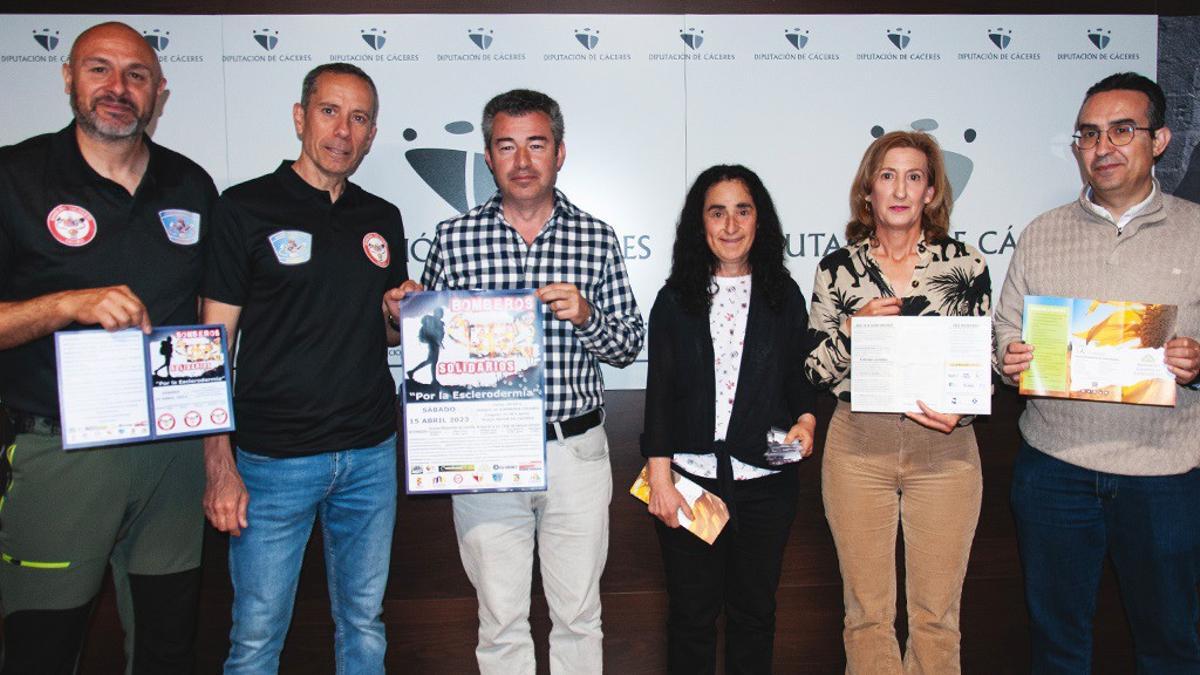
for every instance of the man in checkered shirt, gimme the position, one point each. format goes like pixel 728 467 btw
pixel 529 236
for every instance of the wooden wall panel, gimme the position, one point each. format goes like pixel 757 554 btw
pixel 430 607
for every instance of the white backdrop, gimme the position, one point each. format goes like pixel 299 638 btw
pixel 649 101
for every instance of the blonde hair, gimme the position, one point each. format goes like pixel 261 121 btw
pixel 935 217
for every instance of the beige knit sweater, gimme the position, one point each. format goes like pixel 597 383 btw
pixel 1070 251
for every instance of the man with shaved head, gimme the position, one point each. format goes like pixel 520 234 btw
pixel 99 227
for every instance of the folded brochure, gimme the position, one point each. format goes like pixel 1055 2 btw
pixel 709 510
pixel 1098 350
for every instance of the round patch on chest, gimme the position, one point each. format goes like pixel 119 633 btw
pixel 376 248
pixel 71 225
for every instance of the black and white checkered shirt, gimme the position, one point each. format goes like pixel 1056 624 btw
pixel 479 249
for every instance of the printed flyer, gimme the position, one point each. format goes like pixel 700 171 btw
pixel 1098 350
pixel 943 361
pixel 125 386
pixel 473 391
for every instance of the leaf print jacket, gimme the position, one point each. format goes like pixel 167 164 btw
pixel 951 279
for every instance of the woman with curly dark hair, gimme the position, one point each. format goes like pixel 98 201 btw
pixel 882 472
pixel 727 347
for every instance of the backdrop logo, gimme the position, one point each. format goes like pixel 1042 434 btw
pixel 1101 40
pixel 266 38
pixel 587 37
pixel 374 37
pixel 1099 37
pixel 692 37
pixel 1000 37
pixel 47 38
pixel 796 37
pixel 157 39
pixel 958 166
pixel 482 37
pixel 460 177
pixel 899 37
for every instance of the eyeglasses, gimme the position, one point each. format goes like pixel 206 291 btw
pixel 1118 134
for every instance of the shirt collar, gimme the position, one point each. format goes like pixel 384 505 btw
pixel 1088 201
pixel 73 169
pixel 300 189
pixel 924 250
pixel 563 208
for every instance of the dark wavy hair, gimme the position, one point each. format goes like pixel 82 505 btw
pixel 692 261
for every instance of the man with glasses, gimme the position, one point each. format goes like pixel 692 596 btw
pixel 1097 478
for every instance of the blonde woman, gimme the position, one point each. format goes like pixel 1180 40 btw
pixel 880 471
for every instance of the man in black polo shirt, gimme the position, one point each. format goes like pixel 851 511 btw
pixel 303 260
pixel 87 239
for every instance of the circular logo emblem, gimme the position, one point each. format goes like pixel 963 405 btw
pixel 71 225
pixel 376 248
pixel 166 421
pixel 219 416
pixel 192 419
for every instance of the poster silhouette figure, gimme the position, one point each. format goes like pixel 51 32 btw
pixel 167 349
pixel 432 333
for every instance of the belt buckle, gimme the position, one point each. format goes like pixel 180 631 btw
pixel 577 425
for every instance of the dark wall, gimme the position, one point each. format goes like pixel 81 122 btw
pixel 1179 75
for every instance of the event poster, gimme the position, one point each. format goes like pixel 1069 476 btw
pixel 942 361
pixel 126 386
pixel 1098 350
pixel 473 391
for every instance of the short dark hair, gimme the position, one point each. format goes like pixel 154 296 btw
pixel 1156 112
pixel 693 263
pixel 310 82
pixel 522 102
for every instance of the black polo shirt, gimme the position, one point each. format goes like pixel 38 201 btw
pixel 309 275
pixel 65 227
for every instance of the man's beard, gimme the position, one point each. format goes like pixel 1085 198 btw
pixel 92 124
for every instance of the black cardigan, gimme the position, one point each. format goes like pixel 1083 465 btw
pixel 680 383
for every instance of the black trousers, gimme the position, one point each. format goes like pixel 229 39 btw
pixel 739 573
pixel 48 642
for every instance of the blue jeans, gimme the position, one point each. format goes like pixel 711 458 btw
pixel 354 491
pixel 1068 518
